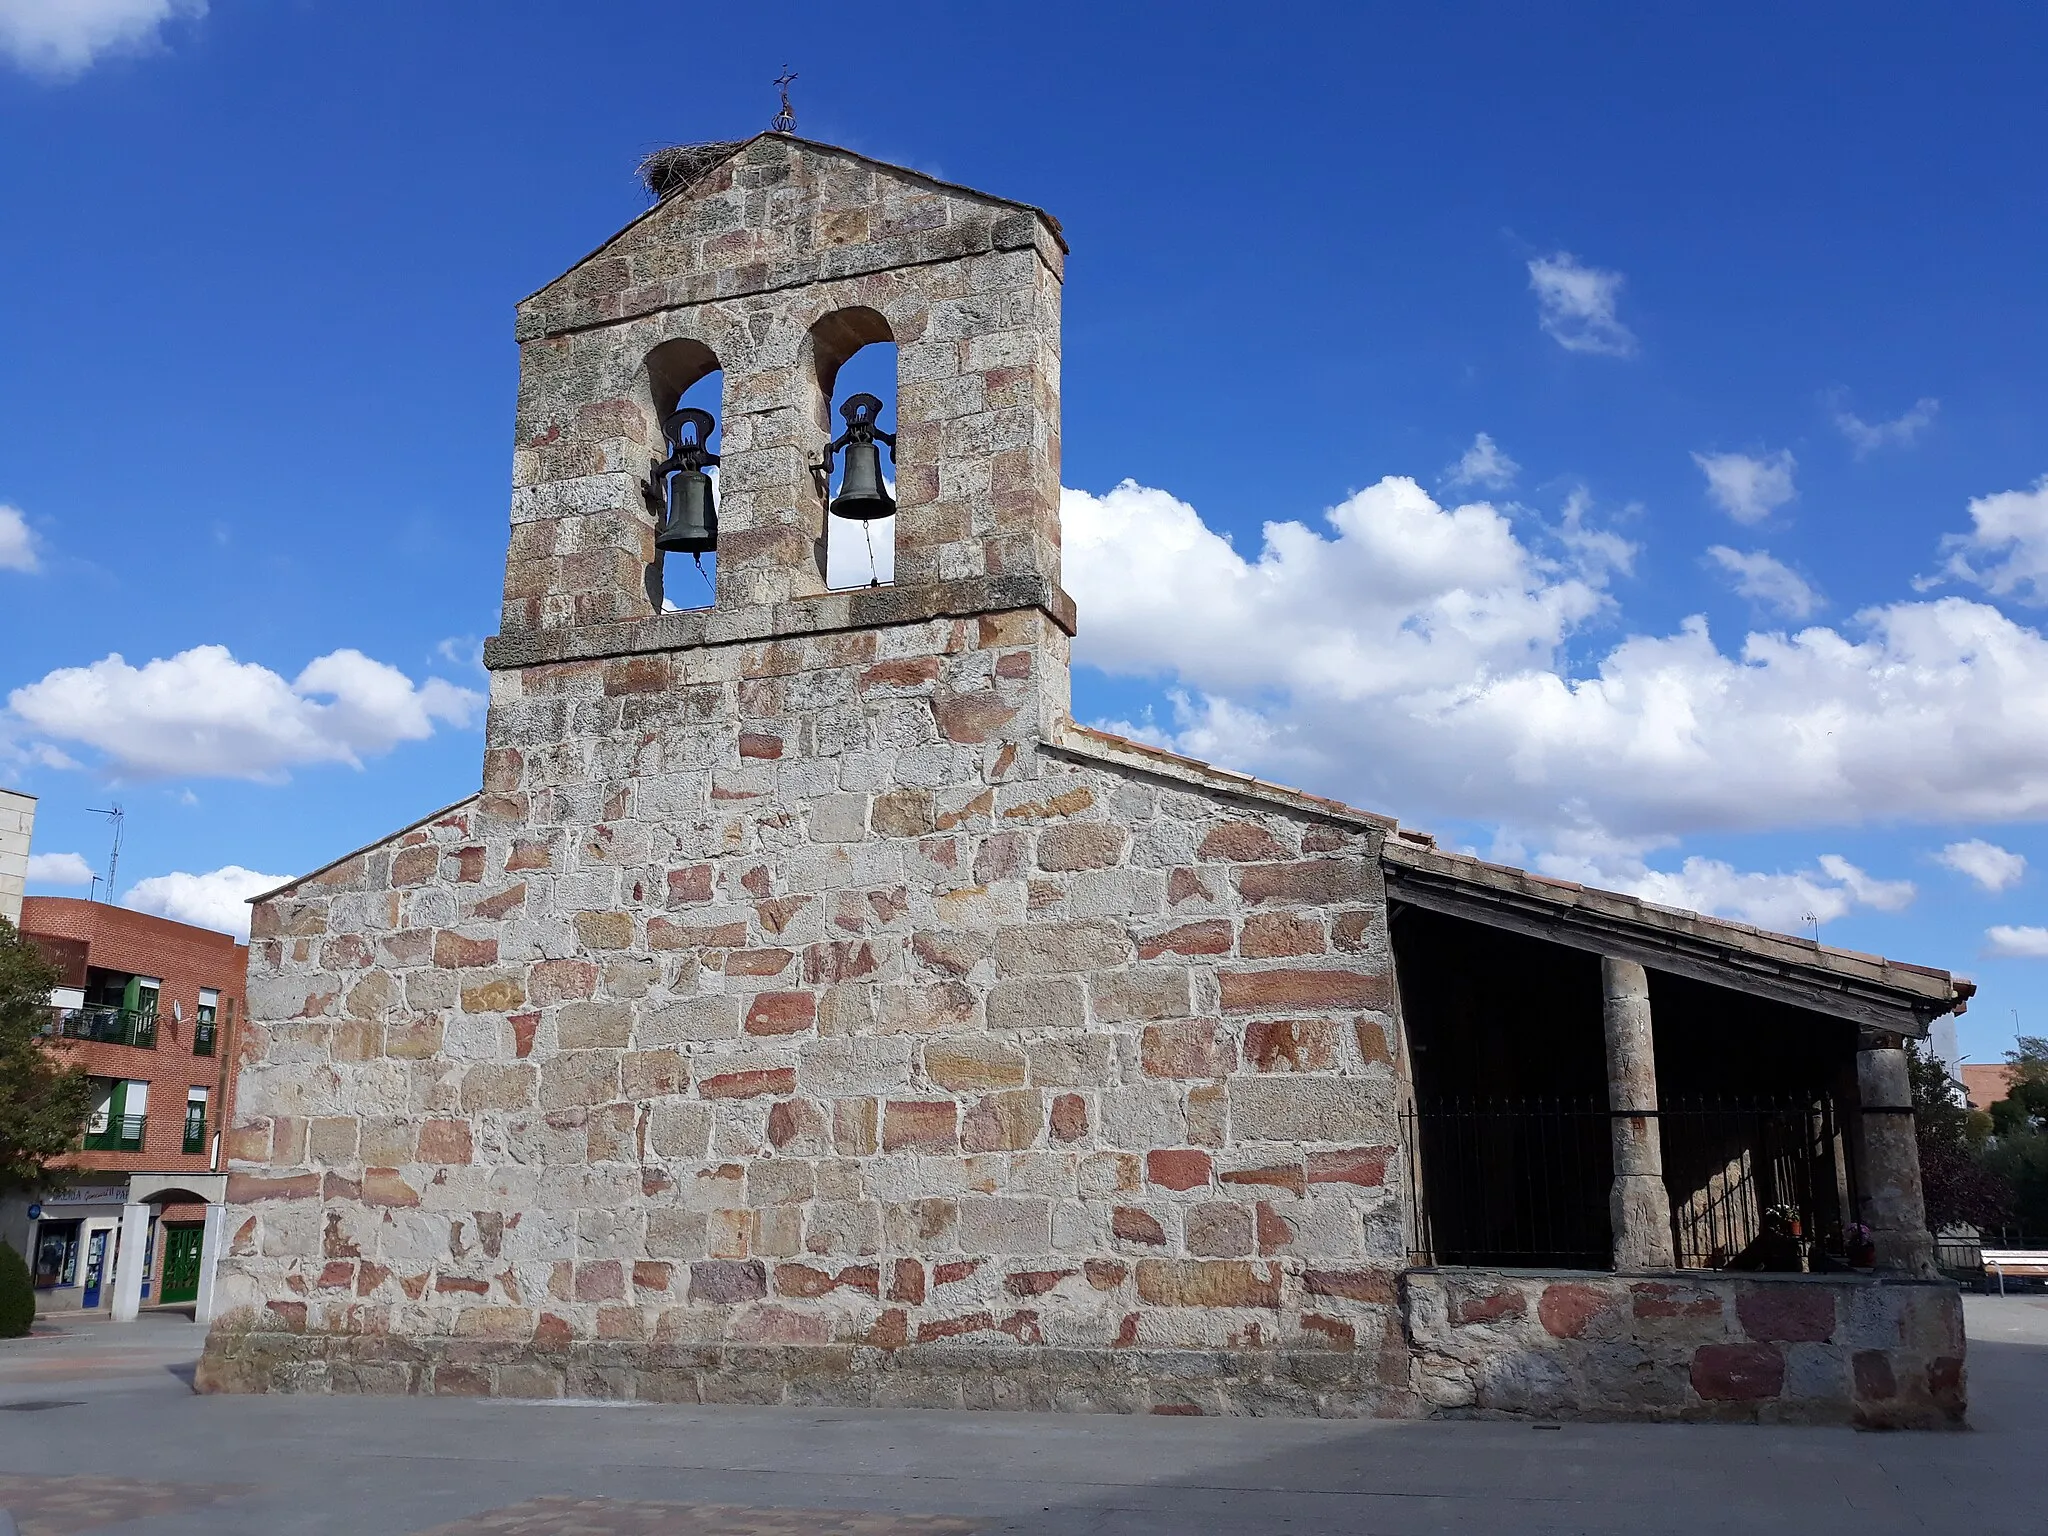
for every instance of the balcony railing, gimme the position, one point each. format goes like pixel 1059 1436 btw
pixel 108 1026
pixel 123 1134
pixel 195 1135
pixel 204 1033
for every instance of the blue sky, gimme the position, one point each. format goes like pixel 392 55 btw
pixel 1737 600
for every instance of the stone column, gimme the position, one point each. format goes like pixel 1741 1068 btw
pixel 1638 1206
pixel 128 1261
pixel 1893 1203
pixel 210 1239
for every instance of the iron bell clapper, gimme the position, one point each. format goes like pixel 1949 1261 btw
pixel 690 526
pixel 862 496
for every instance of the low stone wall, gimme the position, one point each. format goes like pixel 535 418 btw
pixel 1797 1349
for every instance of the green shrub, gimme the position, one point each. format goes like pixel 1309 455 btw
pixel 17 1295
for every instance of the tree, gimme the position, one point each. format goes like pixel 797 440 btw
pixel 2025 1105
pixel 1961 1190
pixel 2018 1152
pixel 43 1103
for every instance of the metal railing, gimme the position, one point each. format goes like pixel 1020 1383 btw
pixel 106 1025
pixel 122 1134
pixel 204 1032
pixel 1754 1182
pixel 195 1135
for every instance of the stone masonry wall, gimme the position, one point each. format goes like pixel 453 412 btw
pixel 1798 1349
pixel 795 1020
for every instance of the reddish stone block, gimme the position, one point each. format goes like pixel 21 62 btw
pixel 1275 1232
pixel 638 674
pixel 1350 1165
pixel 1287 1176
pixel 1187 885
pixel 1306 883
pixel 1373 1049
pixel 1136 1226
pixel 758 962
pixel 1278 990
pixel 1340 1333
pixel 781 1013
pixel 561 981
pixel 1185 1048
pixel 1069 1117
pixel 746 1085
pixel 469 865
pixel 690 886
pixel 1494 1307
pixel 462 1285
pixel 1180 1168
pixel 1372 1285
pixel 523 1027
pixel 1274 935
pixel 953 1327
pixel 1737 1373
pixel 840 960
pixel 1291 1045
pixel 1945 1383
pixel 1566 1309
pixel 1875 1380
pixel 507 901
pixel 600 1280
pixel 802 1280
pixel 1240 842
pixel 445 1141
pixel 920 1125
pixel 1351 931
pixel 758 744
pixel 1654 1299
pixel 1787 1314
pixel 452 951
pixel 1035 1282
pixel 953 1271
pixel 649 1275
pixel 723 1282
pixel 906 1281
pixel 1209 936
pixel 248 1188
pixel 1105 1274
pixel 901 672
pixel 383 1186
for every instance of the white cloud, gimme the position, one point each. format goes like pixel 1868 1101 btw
pixel 1435 662
pixel 1785 901
pixel 62 38
pixel 1576 305
pixel 2010 538
pixel 1748 489
pixel 1484 466
pixel 201 712
pixel 1992 867
pixel 2017 943
pixel 17 539
pixel 1764 579
pixel 59 869
pixel 217 899
pixel 1867 437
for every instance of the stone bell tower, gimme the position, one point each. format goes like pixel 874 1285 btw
pixel 804 1009
pixel 775 260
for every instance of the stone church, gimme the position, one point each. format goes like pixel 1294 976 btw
pixel 805 1009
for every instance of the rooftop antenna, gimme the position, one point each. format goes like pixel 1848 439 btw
pixel 785 120
pixel 117 816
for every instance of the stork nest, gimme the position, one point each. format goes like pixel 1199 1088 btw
pixel 676 166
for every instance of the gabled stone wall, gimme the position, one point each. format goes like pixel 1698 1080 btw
pixel 795 1019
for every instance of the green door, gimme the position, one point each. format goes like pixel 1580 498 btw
pixel 181 1261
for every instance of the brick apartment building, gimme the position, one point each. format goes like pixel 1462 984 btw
pixel 148 1006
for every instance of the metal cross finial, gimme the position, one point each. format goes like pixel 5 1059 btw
pixel 785 120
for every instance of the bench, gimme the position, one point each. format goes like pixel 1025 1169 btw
pixel 2021 1263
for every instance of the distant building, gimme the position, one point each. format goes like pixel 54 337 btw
pixel 1986 1082
pixel 149 1007
pixel 17 822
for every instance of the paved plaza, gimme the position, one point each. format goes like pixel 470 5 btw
pixel 99 1432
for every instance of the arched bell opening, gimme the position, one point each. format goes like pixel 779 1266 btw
pixel 855 358
pixel 686 389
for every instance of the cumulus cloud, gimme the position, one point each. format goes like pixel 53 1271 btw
pixel 203 713
pixel 1576 305
pixel 2017 943
pixel 59 869
pixel 17 539
pixel 1867 437
pixel 1444 662
pixel 1784 901
pixel 1483 467
pixel 217 899
pixel 62 38
pixel 1992 867
pixel 1768 581
pixel 2006 550
pixel 1748 488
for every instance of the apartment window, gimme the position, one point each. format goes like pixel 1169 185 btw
pixel 205 1026
pixel 119 1115
pixel 195 1122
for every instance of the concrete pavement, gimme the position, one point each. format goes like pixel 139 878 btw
pixel 132 1450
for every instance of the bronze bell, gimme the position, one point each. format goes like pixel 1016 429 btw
pixel 862 495
pixel 690 526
